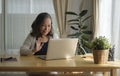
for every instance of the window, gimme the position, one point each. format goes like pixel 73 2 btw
pixel 0 6
pixel 19 15
pixel 29 6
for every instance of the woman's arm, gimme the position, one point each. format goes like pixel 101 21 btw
pixel 28 45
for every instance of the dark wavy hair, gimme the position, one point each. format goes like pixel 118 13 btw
pixel 38 23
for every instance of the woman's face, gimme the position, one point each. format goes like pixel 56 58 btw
pixel 46 27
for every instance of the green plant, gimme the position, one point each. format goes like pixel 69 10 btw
pixel 100 43
pixel 82 32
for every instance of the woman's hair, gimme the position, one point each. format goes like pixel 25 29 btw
pixel 38 23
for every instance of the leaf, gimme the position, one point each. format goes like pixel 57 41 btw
pixel 86 18
pixel 79 26
pixel 73 20
pixel 88 44
pixel 74 28
pixel 71 13
pixel 73 24
pixel 87 32
pixel 83 12
pixel 84 27
pixel 85 37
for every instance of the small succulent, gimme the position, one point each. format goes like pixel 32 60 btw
pixel 100 43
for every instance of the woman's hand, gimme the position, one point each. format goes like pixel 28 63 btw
pixel 39 45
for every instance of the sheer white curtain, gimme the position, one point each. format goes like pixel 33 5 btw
pixel 105 20
pixel 1 29
pixel 116 27
pixel 109 23
pixel 0 33
pixel 19 15
pixel 115 30
pixel 0 25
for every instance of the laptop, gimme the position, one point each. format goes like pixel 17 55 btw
pixel 60 48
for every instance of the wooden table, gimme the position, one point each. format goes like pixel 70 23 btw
pixel 78 63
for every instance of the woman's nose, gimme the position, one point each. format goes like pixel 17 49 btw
pixel 46 28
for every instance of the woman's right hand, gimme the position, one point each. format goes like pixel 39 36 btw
pixel 39 45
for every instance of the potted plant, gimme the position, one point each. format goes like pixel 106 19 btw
pixel 82 32
pixel 100 47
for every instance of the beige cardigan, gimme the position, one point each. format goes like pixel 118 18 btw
pixel 28 45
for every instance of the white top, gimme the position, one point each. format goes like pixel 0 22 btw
pixel 28 45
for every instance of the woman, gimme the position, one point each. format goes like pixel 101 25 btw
pixel 36 42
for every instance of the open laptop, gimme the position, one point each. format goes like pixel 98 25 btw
pixel 60 48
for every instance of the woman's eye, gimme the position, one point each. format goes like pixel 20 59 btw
pixel 49 25
pixel 42 25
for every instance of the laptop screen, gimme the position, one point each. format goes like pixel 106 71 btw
pixel 61 48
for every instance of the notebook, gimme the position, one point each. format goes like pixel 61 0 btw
pixel 60 48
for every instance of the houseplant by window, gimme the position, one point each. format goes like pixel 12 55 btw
pixel 100 47
pixel 78 24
